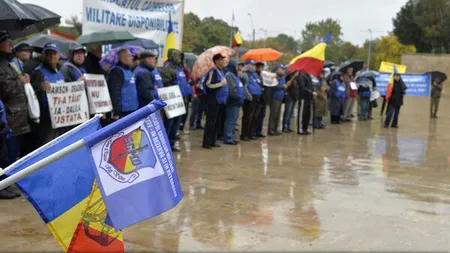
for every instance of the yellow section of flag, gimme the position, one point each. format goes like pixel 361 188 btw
pixel 388 67
pixel 317 52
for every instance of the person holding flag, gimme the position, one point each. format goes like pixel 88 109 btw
pixel 396 90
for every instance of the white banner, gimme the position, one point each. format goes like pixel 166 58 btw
pixel 143 18
pixel 68 104
pixel 174 100
pixel 98 94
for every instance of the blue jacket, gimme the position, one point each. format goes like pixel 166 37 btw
pixel 71 72
pixel 185 87
pixel 147 81
pixel 254 84
pixel 236 89
pixel 216 76
pixel 48 75
pixel 124 93
pixel 279 91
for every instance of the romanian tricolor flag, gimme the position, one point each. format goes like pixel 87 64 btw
pixel 237 39
pixel 390 84
pixel 311 62
pixel 66 196
pixel 171 42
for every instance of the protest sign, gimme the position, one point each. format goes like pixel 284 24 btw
pixel 68 104
pixel 388 67
pixel 174 100
pixel 418 84
pixel 98 94
pixel 269 79
pixel 144 19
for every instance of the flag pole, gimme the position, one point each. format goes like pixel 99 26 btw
pixel 41 164
pixel 231 30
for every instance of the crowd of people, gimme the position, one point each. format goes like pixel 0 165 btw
pixel 221 94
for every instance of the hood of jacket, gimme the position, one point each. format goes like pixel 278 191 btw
pixel 231 67
pixel 173 55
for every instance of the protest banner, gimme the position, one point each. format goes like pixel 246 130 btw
pixel 174 100
pixel 144 19
pixel 68 104
pixel 98 94
pixel 418 84
pixel 388 67
pixel 269 79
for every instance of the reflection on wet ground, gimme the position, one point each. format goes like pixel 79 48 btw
pixel 351 187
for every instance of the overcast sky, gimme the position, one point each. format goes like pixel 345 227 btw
pixel 277 16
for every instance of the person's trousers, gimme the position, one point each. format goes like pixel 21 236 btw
pixel 349 105
pixel 172 126
pixel 232 114
pixel 16 148
pixel 212 120
pixel 392 111
pixel 275 114
pixel 258 119
pixel 185 116
pixel 383 105
pixel 247 118
pixel 335 119
pixel 364 108
pixel 304 115
pixel 434 106
pixel 317 122
pixel 197 110
pixel 288 113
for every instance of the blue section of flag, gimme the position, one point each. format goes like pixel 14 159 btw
pixel 328 37
pixel 61 185
pixel 170 29
pixel 418 84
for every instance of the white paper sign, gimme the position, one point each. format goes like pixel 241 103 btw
pixel 353 86
pixel 375 95
pixel 98 94
pixel 68 104
pixel 269 79
pixel 174 100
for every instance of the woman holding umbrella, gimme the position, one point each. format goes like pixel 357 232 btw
pixel 395 101
pixel 436 90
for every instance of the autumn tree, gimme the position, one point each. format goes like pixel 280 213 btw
pixel 391 50
pixel 76 23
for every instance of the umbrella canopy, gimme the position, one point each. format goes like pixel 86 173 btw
pixel 144 43
pixel 262 55
pixel 190 59
pixel 112 58
pixel 439 74
pixel 14 16
pixel 106 37
pixel 368 74
pixel 38 42
pixel 46 17
pixel 357 65
pixel 205 62
pixel 328 64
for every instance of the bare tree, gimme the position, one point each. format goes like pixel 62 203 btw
pixel 76 23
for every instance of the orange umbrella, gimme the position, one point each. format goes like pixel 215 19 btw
pixel 261 55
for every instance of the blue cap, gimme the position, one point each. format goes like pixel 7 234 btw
pixel 250 62
pixel 62 57
pixel 51 46
pixel 279 66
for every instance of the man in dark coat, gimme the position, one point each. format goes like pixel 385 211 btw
pixel 307 94
pixel 395 101
pixel 92 61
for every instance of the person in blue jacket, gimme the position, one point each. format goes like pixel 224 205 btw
pixel 336 98
pixel 216 98
pixel 41 78
pixel 252 83
pixel 277 99
pixel 122 86
pixel 73 69
pixel 148 78
pixel 235 101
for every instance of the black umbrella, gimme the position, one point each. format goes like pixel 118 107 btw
pixel 439 74
pixel 47 18
pixel 328 64
pixel 357 65
pixel 38 42
pixel 190 59
pixel 14 16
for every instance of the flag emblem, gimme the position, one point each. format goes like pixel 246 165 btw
pixel 123 155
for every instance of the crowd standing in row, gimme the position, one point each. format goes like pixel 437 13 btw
pixel 221 94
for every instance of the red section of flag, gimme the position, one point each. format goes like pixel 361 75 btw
pixel 308 65
pixel 389 87
pixel 88 239
pixel 63 35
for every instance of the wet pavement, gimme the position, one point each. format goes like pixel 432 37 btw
pixel 352 187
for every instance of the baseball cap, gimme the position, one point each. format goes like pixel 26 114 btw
pixel 147 53
pixel 22 47
pixel 4 35
pixel 279 66
pixel 62 57
pixel 250 62
pixel 218 56
pixel 51 46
